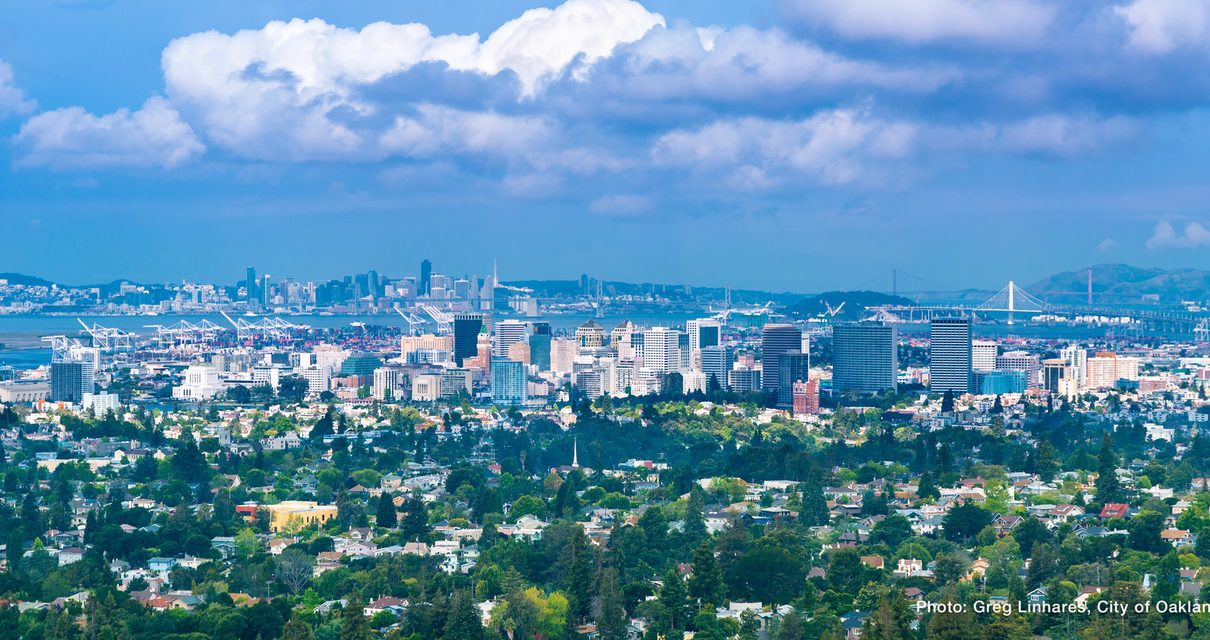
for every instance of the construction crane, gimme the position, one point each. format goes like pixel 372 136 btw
pixel 443 319
pixel 108 340
pixel 270 328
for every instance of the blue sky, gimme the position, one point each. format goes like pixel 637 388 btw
pixel 784 144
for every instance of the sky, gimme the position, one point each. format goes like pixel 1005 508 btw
pixel 795 145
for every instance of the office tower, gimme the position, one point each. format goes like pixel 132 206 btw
pixel 792 367
pixel 387 383
pixel 509 384
pixel 466 336
pixel 702 333
pixel 717 362
pixel 745 380
pixel 996 382
pixel 70 380
pixel 1106 368
pixel 426 274
pixel 1077 357
pixel 983 355
pixel 1059 377
pixel 373 285
pixel 661 349
pixel 539 345
pixel 806 397
pixel 1021 361
pixel 865 357
pixel 508 333
pixel 590 335
pixel 266 296
pixel 462 289
pixel 250 283
pixel 775 340
pixel 950 355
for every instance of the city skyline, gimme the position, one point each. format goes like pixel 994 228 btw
pixel 838 137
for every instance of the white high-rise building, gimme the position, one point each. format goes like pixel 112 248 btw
pixel 1077 357
pixel 706 332
pixel 387 380
pixel 983 355
pixel 508 333
pixel 562 355
pixel 661 349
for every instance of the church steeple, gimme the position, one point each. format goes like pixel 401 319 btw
pixel 575 453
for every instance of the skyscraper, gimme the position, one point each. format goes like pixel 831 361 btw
pixel 466 335
pixel 792 367
pixel 661 349
pixel 775 340
pixel 702 333
pixel 509 383
pixel 69 381
pixel 508 333
pixel 250 283
pixel 426 274
pixel 983 355
pixel 717 362
pixel 950 355
pixel 865 357
pixel 539 345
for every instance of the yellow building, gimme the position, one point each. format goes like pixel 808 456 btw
pixel 296 514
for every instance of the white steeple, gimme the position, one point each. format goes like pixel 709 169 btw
pixel 575 453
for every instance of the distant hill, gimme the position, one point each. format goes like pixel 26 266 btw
pixel 1124 284
pixel 24 280
pixel 855 304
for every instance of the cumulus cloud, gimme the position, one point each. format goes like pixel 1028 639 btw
pixel 1010 23
pixel 620 205
pixel 12 98
pixel 298 88
pixel 834 147
pixel 153 136
pixel 1159 26
pixel 1166 236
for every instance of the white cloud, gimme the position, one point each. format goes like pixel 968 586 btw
pixel 835 147
pixel 1159 26
pixel 1009 23
pixel 295 90
pixel 1107 245
pixel 1064 135
pixel 12 98
pixel 153 136
pixel 1165 236
pixel 437 130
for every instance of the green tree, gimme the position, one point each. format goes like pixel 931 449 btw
pixel 386 514
pixel 706 579
pixel 297 629
pixel 965 520
pixel 1109 489
pixel 674 600
pixel 891 620
pixel 612 622
pixel 463 621
pixel 353 623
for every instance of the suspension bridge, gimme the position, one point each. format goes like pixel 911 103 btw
pixel 1017 303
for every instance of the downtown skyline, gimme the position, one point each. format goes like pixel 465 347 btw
pixel 785 145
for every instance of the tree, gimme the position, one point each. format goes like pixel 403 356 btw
pixel 706 581
pixel 386 515
pixel 814 510
pixel 1046 461
pixel 927 488
pixel 695 512
pixel 966 520
pixel 1109 489
pixel 246 543
pixel 674 600
pixel 293 569
pixel 611 623
pixel 297 629
pixel 891 620
pixel 241 395
pixel 353 623
pixel 891 531
pixel 463 619
pixel 292 389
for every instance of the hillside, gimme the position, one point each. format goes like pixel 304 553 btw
pixel 1124 284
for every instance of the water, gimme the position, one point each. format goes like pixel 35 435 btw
pixel 23 346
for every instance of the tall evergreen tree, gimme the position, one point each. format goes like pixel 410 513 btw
pixel 1109 489
pixel 612 622
pixel 297 629
pixel 353 623
pixel 463 620
pixel 891 620
pixel 386 515
pixel 706 581
pixel 674 599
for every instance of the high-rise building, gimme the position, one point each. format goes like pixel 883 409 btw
pixel 661 349
pixel 509 383
pixel 1030 363
pixel 865 357
pixel 70 380
pixel 426 274
pixel 702 333
pixel 792 367
pixel 466 336
pixel 775 340
pixel 950 355
pixel 983 355
pixel 1077 357
pixel 806 397
pixel 250 287
pixel 590 335
pixel 539 345
pixel 508 333
pixel 716 363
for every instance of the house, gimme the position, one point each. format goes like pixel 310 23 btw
pixel 874 562
pixel 386 603
pixel 70 555
pixel 161 565
pixel 1114 510
pixel 1177 537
